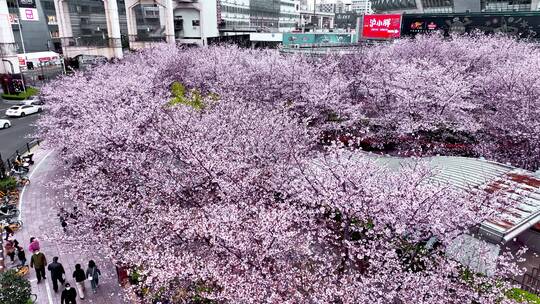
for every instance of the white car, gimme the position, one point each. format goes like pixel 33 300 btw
pixel 4 123
pixel 22 110
pixel 32 101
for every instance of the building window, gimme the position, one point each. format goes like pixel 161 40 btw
pixel 51 20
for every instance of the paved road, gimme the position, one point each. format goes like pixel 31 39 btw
pixel 14 137
pixel 38 204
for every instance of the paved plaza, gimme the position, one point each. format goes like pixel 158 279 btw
pixel 39 213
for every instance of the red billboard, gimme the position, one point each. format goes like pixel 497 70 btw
pixel 381 26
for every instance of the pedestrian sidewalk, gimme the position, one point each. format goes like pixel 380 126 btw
pixel 38 204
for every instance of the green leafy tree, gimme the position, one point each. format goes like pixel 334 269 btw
pixel 13 288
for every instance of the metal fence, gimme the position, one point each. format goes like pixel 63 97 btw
pixel 530 281
pixel 6 163
pixel 42 74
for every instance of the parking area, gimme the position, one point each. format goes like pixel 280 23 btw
pixel 17 135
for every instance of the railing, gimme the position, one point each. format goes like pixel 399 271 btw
pixel 86 41
pixel 530 281
pixel 7 163
pixel 42 74
pixel 150 39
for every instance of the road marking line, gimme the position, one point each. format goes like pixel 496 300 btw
pixel 49 294
pixel 29 177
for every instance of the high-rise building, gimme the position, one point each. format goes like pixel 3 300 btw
pixel 105 27
pixel 32 31
pixel 332 6
pixel 265 15
pixel 304 5
pixel 361 6
pixel 454 6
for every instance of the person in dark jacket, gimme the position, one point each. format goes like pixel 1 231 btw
pixel 9 231
pixel 93 273
pixel 38 262
pixel 10 249
pixel 21 255
pixel 79 277
pixel 69 295
pixel 57 271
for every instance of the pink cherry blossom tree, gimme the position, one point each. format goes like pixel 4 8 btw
pixel 203 170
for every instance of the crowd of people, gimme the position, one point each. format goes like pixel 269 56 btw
pixel 38 261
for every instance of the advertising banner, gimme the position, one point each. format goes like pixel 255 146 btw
pixel 308 39
pixel 298 38
pixel 381 26
pixel 29 14
pixel 27 3
pixel 525 25
pixel 13 19
pixel 332 38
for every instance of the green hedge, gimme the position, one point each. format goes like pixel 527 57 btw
pixel 14 289
pixel 7 184
pixel 30 91
pixel 523 296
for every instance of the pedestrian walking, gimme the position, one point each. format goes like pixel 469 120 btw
pixel 69 295
pixel 9 231
pixel 38 262
pixel 62 216
pixel 93 273
pixel 21 255
pixel 79 277
pixel 34 244
pixel 10 249
pixel 57 273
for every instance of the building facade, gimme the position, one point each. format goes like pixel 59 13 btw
pixel 259 15
pixel 336 7
pixel 93 27
pixel 31 34
pixel 453 6
pixel 362 6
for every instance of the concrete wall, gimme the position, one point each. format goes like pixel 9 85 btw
pixel 531 239
pixel 73 51
pixel 535 5
pixel 209 19
pixel 189 15
pixel 462 6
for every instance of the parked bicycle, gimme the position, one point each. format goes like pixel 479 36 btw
pixel 20 176
pixel 21 271
pixel 9 214
pixel 13 224
pixel 10 197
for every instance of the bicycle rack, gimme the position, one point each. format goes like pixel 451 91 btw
pixel 2 264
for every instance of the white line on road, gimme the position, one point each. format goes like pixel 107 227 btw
pixel 49 294
pixel 29 177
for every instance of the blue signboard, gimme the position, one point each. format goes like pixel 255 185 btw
pixel 308 39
